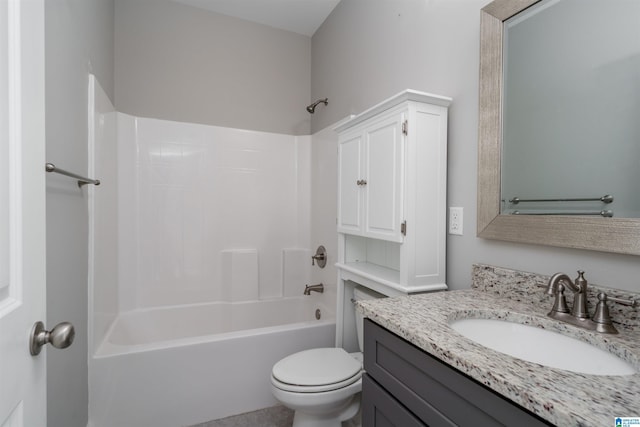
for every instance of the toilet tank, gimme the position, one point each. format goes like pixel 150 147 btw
pixel 362 293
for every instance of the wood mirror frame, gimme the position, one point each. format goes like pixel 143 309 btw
pixel 618 235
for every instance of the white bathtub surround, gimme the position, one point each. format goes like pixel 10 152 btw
pixel 296 272
pixel 194 191
pixel 240 276
pixel 324 182
pixel 198 233
pixel 103 211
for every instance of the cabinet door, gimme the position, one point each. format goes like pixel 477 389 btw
pixel 384 175
pixel 349 184
pixel 380 409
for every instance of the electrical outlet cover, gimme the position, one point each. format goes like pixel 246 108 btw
pixel 455 220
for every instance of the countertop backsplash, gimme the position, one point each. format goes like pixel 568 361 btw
pixel 524 286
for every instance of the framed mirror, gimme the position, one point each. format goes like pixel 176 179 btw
pixel 567 223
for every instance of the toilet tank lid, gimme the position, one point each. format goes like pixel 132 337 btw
pixel 318 366
pixel 364 293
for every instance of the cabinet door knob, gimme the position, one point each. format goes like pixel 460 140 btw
pixel 359 182
pixel 364 182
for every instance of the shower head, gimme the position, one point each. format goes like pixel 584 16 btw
pixel 312 108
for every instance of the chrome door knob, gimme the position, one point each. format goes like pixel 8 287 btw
pixel 61 336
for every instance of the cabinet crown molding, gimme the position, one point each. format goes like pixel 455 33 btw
pixel 405 95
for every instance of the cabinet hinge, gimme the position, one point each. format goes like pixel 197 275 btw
pixel 403 228
pixel 405 127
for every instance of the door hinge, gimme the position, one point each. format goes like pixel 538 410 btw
pixel 405 127
pixel 403 228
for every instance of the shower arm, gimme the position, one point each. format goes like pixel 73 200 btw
pixel 312 108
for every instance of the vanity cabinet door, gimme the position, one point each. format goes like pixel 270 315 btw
pixel 380 409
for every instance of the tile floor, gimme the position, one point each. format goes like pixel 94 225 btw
pixel 277 416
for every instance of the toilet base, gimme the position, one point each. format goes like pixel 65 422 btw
pixel 334 419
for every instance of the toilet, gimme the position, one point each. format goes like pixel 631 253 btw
pixel 322 385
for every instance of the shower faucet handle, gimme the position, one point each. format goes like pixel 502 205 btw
pixel 320 256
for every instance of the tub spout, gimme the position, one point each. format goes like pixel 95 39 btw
pixel 313 288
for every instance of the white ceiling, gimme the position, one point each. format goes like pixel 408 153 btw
pixel 300 16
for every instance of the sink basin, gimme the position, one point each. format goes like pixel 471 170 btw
pixel 542 346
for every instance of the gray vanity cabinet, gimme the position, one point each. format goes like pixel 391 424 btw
pixel 404 386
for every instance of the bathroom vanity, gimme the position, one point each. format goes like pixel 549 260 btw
pixel 420 371
pixel 432 393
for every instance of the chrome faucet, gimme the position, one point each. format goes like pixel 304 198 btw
pixel 579 314
pixel 313 288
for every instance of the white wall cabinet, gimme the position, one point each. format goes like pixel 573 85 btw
pixel 392 171
pixel 370 177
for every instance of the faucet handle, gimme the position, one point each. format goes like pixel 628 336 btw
pixel 629 302
pixel 560 303
pixel 601 317
pixel 320 256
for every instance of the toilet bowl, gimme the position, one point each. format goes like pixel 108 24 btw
pixel 322 385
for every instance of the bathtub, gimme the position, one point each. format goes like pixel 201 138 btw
pixel 182 365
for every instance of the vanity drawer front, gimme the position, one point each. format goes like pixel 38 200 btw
pixel 431 389
pixel 380 409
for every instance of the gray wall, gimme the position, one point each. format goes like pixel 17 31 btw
pixel 367 50
pixel 79 38
pixel 181 63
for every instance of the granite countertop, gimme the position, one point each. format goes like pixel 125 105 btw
pixel 561 397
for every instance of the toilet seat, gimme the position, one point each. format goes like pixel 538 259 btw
pixel 316 370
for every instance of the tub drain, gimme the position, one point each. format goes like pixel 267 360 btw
pixel 318 314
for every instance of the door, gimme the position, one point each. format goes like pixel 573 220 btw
pixel 22 211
